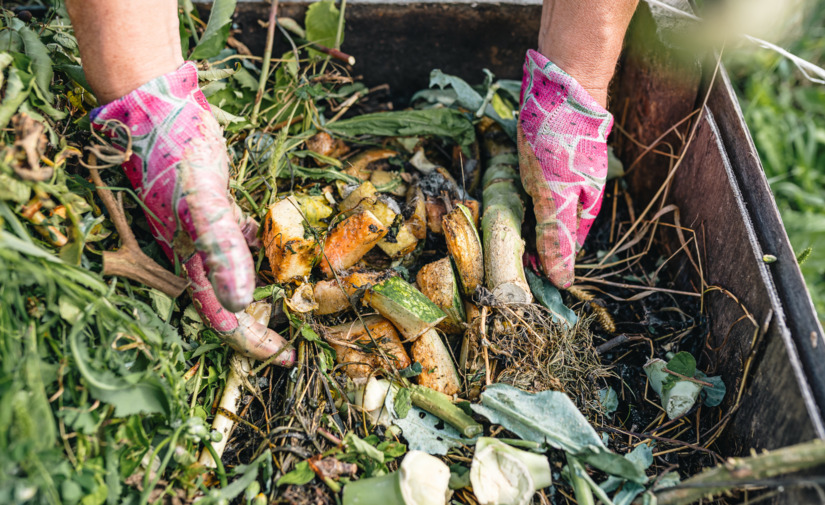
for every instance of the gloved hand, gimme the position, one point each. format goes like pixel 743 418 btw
pixel 180 171
pixel 562 142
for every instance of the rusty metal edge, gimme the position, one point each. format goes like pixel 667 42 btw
pixel 779 318
pixel 793 306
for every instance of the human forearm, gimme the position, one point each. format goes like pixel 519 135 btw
pixel 125 43
pixel 584 38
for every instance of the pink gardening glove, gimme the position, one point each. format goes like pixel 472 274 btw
pixel 180 171
pixel 562 142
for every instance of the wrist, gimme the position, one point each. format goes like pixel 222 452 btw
pixel 110 86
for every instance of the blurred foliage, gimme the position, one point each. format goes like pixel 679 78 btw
pixel 786 116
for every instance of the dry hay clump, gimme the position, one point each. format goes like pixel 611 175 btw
pixel 535 353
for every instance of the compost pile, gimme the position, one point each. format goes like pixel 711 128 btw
pixel 434 363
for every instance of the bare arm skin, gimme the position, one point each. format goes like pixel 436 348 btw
pixel 584 38
pixel 125 43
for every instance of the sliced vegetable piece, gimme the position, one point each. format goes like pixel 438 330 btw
pixel 358 165
pixel 408 309
pixel 420 480
pixel 504 475
pixel 287 247
pixel 369 396
pixel 439 371
pixel 355 349
pixel 322 143
pixel 438 282
pixel 389 182
pixel 332 299
pixel 403 244
pixel 302 300
pixel 442 406
pixel 436 210
pixel 418 219
pixel 363 194
pixel 678 396
pixel 350 240
pixel 464 245
pixel 231 397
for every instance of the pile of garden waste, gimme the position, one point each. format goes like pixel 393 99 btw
pixel 432 365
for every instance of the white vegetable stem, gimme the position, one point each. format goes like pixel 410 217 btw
pixel 231 398
pixel 420 480
pixel 504 475
pixel 370 396
pixel 677 400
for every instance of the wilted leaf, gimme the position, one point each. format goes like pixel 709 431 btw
pixel 214 37
pixel 683 363
pixel 550 417
pixel 357 445
pixel 299 475
pixel 322 22
pixel 18 88
pixel 548 295
pixel 403 402
pixel 225 118
pixel 424 431
pixel 13 189
pixel 215 74
pixel 712 396
pixel 608 399
pixel 408 123
pixel 41 62
pixel 641 456
pixel 470 99
pixel 466 95
pixel 615 167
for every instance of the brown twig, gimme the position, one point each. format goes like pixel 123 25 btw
pixel 129 261
pixel 686 378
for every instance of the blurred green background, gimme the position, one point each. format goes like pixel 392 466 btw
pixel 786 116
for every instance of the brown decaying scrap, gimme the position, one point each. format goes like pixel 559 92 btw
pixel 436 281
pixel 439 372
pixel 358 165
pixel 351 342
pixel 350 240
pixel 322 143
pixel 465 248
pixel 435 210
pixel 417 222
pixel 333 298
pixel 602 315
pixel 287 247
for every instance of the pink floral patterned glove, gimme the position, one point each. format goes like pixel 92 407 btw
pixel 562 142
pixel 180 171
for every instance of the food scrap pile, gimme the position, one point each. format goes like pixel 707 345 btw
pixel 432 365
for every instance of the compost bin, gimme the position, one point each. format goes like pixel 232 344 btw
pixel 719 188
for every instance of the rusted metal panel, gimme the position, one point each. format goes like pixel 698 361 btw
pixel 805 330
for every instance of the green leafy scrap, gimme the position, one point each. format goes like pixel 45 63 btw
pixel 403 402
pixel 408 123
pixel 301 474
pixel 471 99
pixel 548 295
pixel 551 418
pixel 216 34
pixel 321 23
